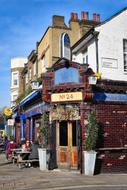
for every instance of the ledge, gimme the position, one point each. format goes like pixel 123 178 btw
pixel 113 148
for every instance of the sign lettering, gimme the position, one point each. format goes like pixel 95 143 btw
pixel 70 96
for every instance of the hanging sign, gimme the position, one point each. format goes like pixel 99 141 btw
pixel 7 112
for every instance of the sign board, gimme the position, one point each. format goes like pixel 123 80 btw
pixel 68 96
pixel 10 122
pixel 8 112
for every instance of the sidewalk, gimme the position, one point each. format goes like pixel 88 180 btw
pixel 11 177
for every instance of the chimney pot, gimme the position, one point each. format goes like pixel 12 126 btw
pixel 72 16
pixel 94 17
pixel 98 17
pixel 87 16
pixel 82 15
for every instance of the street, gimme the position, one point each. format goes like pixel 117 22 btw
pixel 13 178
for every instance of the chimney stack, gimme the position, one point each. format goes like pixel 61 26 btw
pixel 75 16
pixel 98 17
pixel 72 16
pixel 94 17
pixel 87 16
pixel 82 15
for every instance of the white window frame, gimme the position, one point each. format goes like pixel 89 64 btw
pixel 15 78
pixel 26 78
pixel 30 74
pixel 85 57
pixel 34 70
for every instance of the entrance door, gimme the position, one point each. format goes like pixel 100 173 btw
pixel 66 142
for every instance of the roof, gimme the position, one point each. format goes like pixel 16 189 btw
pixel 92 31
pixel 113 16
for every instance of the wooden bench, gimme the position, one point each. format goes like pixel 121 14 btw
pixel 26 162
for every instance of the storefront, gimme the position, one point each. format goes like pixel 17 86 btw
pixel 71 96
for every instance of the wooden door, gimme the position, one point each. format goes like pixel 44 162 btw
pixel 66 143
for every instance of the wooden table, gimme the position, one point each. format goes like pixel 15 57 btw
pixel 14 154
pixel 20 157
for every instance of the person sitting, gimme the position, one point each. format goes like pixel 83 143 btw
pixel 34 151
pixel 25 145
pixel 10 146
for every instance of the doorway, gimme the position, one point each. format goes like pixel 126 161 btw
pixel 67 144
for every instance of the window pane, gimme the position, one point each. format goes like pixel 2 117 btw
pixel 125 54
pixel 125 45
pixel 66 75
pixel 63 134
pixel 74 133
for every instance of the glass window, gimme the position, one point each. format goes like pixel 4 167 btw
pixel 63 133
pixel 15 97
pixel 125 54
pixel 30 74
pixel 65 46
pixel 26 78
pixel 15 79
pixel 35 68
pixel 66 75
pixel 74 133
pixel 85 57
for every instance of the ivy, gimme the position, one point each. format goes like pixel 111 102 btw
pixel 24 94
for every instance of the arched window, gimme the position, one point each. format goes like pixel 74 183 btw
pixel 65 46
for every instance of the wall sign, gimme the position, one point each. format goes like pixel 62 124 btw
pixel 69 96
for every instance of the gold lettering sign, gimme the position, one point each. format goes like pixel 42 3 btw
pixel 69 96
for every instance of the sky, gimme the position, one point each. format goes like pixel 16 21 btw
pixel 23 23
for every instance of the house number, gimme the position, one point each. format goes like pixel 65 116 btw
pixel 69 96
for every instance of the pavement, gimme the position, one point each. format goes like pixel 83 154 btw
pixel 13 178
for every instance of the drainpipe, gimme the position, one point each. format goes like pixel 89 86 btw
pixel 21 128
pixel 81 137
pixel 31 128
pixel 97 59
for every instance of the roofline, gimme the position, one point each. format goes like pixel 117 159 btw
pixel 82 38
pixel 113 16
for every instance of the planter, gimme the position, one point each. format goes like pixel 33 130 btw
pixel 42 158
pixel 89 162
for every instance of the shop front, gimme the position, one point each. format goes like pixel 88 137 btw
pixel 71 97
pixel 64 87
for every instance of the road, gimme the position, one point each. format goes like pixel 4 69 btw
pixel 13 178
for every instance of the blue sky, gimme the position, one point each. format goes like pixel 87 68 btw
pixel 23 22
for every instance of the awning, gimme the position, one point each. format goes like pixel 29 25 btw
pixel 29 97
pixel 37 109
pixel 110 97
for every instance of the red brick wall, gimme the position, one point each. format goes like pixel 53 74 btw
pixel 112 136
pixel 113 120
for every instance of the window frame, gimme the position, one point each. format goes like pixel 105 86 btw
pixel 14 78
pixel 125 54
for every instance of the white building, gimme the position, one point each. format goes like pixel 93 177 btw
pixel 104 48
pixel 17 65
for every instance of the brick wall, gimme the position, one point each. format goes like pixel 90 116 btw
pixel 113 135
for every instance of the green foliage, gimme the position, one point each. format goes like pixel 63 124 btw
pixel 24 94
pixel 92 129
pixel 44 129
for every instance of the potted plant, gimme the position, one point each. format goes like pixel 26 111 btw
pixel 91 136
pixel 44 138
